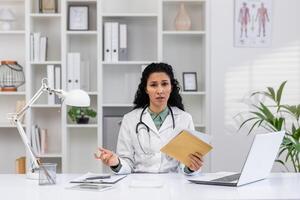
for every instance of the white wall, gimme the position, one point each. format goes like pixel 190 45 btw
pixel 235 72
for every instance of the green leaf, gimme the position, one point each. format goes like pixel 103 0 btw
pixel 253 126
pixel 289 154
pixel 281 162
pixel 279 92
pixel 279 123
pixel 297 147
pixel 267 113
pixel 255 93
pixel 252 118
pixel 281 151
pixel 261 116
pixel 272 93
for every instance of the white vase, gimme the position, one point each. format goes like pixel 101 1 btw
pixel 182 20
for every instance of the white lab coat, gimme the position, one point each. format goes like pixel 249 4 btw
pixel 132 157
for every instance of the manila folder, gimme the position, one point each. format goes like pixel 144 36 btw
pixel 184 144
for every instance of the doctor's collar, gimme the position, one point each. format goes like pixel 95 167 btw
pixel 175 110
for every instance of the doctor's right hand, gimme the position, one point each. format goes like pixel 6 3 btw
pixel 108 157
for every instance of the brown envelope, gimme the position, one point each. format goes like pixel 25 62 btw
pixel 184 144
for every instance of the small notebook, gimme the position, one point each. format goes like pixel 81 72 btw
pixel 185 143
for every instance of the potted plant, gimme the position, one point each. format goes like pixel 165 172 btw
pixel 81 115
pixel 275 116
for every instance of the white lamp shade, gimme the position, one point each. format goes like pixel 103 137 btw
pixel 6 15
pixel 78 98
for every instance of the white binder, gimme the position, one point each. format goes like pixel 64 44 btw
pixel 36 46
pixel 85 75
pixel 57 82
pixel 76 70
pixel 123 42
pixel 115 42
pixel 43 48
pixel 70 73
pixel 107 41
pixel 50 76
pixel 31 47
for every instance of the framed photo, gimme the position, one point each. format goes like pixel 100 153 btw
pixel 189 81
pixel 48 6
pixel 78 18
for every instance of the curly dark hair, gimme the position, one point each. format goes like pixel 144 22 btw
pixel 141 97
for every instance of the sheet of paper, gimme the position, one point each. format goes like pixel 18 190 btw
pixel 146 184
pixel 90 187
pixel 113 179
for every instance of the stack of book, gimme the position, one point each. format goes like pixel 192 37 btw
pixel 39 140
pixel 115 42
pixel 38 47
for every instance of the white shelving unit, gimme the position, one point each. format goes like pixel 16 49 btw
pixel 12 47
pixel 151 38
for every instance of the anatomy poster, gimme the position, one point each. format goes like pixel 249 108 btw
pixel 253 23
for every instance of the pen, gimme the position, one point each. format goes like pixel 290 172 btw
pixel 98 177
pixel 93 182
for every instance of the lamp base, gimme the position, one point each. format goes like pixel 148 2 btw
pixel 6 26
pixel 32 175
pixel 9 89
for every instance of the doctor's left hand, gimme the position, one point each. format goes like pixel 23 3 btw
pixel 196 161
pixel 108 157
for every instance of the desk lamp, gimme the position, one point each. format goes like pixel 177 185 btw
pixel 6 19
pixel 76 97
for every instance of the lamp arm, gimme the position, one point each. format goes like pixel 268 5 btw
pixel 16 119
pixel 43 88
pixel 36 162
pixel 22 133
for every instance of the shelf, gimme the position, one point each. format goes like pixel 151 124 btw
pixel 93 93
pixel 183 32
pixel 82 32
pixel 127 62
pixel 12 93
pixel 82 1
pixel 46 106
pixel 45 15
pixel 82 126
pixel 12 1
pixel 192 93
pixel 184 1
pixel 9 125
pixel 199 125
pixel 46 63
pixel 118 105
pixel 13 32
pixel 129 15
pixel 50 155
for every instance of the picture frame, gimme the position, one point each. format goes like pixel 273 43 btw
pixel 189 81
pixel 78 18
pixel 253 23
pixel 48 6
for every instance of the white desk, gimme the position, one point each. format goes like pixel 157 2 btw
pixel 277 186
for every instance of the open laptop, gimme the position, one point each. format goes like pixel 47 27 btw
pixel 257 166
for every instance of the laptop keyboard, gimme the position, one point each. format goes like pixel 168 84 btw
pixel 229 178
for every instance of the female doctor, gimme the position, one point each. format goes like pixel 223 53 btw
pixel 158 110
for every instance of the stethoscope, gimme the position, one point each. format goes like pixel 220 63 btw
pixel 141 123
